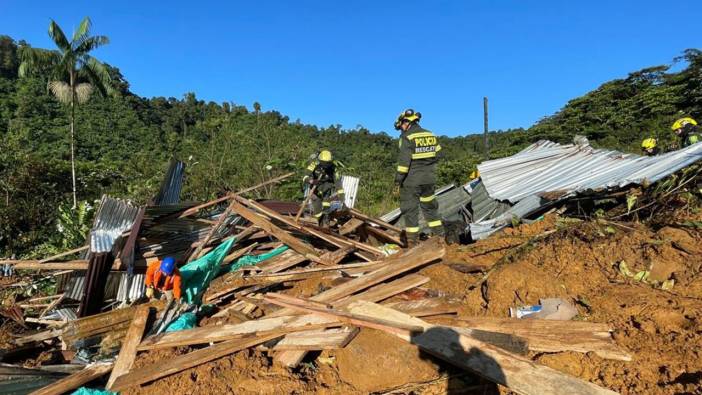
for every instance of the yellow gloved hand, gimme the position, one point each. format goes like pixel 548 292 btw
pixel 149 292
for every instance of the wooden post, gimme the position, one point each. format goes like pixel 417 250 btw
pixel 485 121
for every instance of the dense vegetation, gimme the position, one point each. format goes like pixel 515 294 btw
pixel 123 144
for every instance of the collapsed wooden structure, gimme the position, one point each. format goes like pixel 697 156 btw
pixel 356 257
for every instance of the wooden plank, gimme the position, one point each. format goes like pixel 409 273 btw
pixel 239 253
pixel 214 229
pixel 33 264
pixel 192 359
pixel 332 239
pixel 383 236
pixel 197 208
pixel 350 226
pixel 128 352
pixel 66 384
pixel 291 241
pixel 350 318
pixel 37 337
pixel 217 333
pixel 422 307
pixel 510 370
pixel 386 290
pixel 397 264
pixel 553 336
pixel 376 221
pixel 334 257
pixel 61 255
pixel 327 339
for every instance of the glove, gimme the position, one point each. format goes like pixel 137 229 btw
pixel 149 292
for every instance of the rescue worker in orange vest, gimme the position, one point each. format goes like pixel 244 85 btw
pixel 163 279
pixel 416 175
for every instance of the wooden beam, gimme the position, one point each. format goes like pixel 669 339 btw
pixel 33 264
pixel 376 221
pixel 326 339
pixel 66 384
pixel 197 208
pixel 386 290
pixel 291 241
pixel 218 333
pixel 515 372
pixel 384 236
pixel 350 318
pixel 350 226
pixel 192 359
pixel 552 336
pixel 131 341
pixel 61 255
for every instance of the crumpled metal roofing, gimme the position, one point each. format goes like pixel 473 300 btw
pixel 547 167
pixel 113 218
pixel 350 186
pixel 172 184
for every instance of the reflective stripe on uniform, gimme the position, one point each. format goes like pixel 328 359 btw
pixel 434 224
pixel 339 191
pixel 412 229
pixel 318 215
pixel 326 204
pixel 402 169
pixel 421 134
pixel 426 199
pixel 312 166
pixel 424 155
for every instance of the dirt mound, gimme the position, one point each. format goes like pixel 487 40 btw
pixel 387 362
pixel 661 329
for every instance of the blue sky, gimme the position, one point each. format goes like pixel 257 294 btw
pixel 362 62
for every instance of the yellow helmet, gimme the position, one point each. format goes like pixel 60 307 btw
pixel 325 156
pixel 409 115
pixel 649 143
pixel 682 122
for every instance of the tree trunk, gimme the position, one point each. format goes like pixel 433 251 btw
pixel 73 159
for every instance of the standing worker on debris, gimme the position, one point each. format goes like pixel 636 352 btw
pixel 686 129
pixel 325 186
pixel 649 147
pixel 416 175
pixel 163 279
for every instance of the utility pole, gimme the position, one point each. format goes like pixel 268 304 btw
pixel 485 120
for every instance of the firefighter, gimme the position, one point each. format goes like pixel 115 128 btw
pixel 686 129
pixel 649 147
pixel 163 279
pixel 416 175
pixel 325 186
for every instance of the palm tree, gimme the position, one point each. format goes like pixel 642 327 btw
pixel 73 74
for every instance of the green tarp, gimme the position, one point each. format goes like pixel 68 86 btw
pixel 249 260
pixel 196 275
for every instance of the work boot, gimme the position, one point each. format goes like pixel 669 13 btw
pixel 438 231
pixel 324 221
pixel 412 240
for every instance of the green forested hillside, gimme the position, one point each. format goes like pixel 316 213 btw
pixel 123 143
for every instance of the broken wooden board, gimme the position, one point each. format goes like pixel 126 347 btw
pixel 66 384
pixel 376 221
pixel 510 370
pixel 77 264
pixel 422 307
pixel 216 333
pixel 192 359
pixel 261 222
pixel 553 336
pixel 328 339
pixel 350 226
pixel 128 352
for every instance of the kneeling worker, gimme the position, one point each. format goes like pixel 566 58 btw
pixel 687 131
pixel 322 175
pixel 163 279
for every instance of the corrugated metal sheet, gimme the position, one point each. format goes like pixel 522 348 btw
pixel 484 206
pixel 546 167
pixel 136 287
pixel 395 214
pixel 350 185
pixel 171 185
pixel 483 229
pixel 73 285
pixel 113 218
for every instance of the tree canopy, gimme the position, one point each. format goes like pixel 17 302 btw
pixel 126 142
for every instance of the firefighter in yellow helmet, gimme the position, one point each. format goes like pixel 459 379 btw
pixel 416 175
pixel 686 129
pixel 325 185
pixel 650 147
